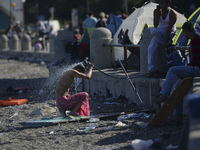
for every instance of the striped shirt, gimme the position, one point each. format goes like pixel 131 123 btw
pixel 195 48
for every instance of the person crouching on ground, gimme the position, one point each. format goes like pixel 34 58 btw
pixel 180 72
pixel 78 103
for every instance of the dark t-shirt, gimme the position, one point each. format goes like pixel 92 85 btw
pixel 100 23
pixel 195 48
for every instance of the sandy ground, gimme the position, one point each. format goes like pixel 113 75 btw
pixel 108 133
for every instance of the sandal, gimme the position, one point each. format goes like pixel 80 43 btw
pixel 160 99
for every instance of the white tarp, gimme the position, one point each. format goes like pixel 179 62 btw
pixel 136 21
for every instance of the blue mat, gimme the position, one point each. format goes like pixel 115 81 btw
pixel 52 121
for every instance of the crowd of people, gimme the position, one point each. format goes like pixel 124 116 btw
pixel 15 29
pixel 100 21
pixel 38 32
pixel 164 20
pixel 164 27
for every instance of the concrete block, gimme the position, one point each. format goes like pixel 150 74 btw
pixel 61 40
pixel 26 44
pixel 3 42
pixel 102 85
pixel 102 57
pixel 14 43
pixel 160 61
pixel 144 43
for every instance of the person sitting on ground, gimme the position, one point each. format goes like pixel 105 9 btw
pixel 164 19
pixel 180 72
pixel 78 103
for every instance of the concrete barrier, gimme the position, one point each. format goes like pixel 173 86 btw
pixel 111 84
pixel 160 56
pixel 61 40
pixel 14 43
pixel 144 43
pixel 51 43
pixel 194 123
pixel 102 57
pixel 26 43
pixel 3 42
pixel 11 48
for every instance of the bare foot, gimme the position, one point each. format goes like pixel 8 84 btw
pixel 73 114
pixel 62 112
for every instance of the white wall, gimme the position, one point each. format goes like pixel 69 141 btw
pixel 16 11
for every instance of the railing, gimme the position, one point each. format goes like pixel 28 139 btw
pixel 125 50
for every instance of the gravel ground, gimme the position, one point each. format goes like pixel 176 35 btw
pixel 108 133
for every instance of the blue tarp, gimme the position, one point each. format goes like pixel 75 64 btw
pixel 113 23
pixel 180 39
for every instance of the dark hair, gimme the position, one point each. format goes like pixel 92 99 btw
pixel 188 26
pixel 90 13
pixel 80 66
pixel 168 1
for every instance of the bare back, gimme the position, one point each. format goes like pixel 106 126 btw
pixel 64 84
pixel 67 79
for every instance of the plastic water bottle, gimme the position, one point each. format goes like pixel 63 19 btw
pixel 92 120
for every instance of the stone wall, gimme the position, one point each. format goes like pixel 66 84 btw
pixel 24 47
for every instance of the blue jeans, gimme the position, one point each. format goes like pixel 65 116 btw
pixel 175 73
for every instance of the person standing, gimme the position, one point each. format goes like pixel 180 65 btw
pixel 164 19
pixel 90 21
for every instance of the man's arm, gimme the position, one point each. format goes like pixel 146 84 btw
pixel 87 76
pixel 156 17
pixel 172 21
pixel 190 54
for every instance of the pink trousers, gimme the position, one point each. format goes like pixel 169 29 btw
pixel 70 101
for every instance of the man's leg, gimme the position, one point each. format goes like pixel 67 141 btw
pixel 80 102
pixel 178 72
pixel 153 46
pixel 174 73
pixel 73 111
pixel 62 112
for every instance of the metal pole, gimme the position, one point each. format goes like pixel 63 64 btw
pixel 122 45
pixel 132 84
pixel 37 9
pixel 88 6
pixel 125 50
pixel 126 6
pixel 10 13
pixel 125 58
